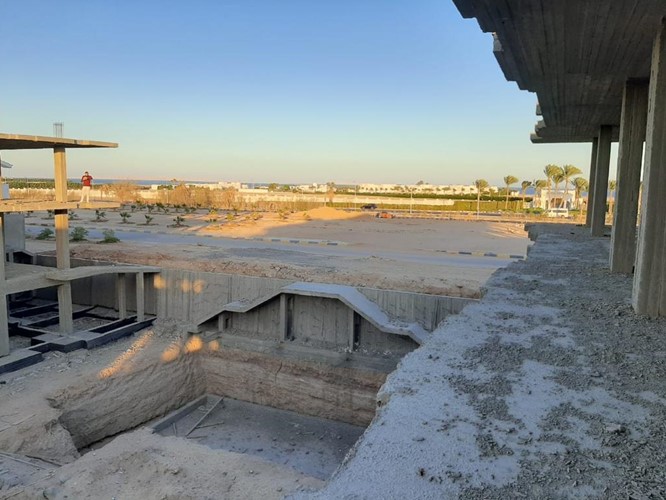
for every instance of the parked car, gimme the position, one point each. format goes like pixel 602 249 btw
pixel 557 212
pixel 369 206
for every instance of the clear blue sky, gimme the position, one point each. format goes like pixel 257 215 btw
pixel 386 91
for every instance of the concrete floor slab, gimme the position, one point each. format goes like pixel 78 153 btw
pixel 549 387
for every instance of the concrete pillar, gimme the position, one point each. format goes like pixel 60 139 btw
pixel 284 328
pixel 62 239
pixel 4 320
pixel 140 298
pixel 630 159
pixel 600 189
pixel 2 247
pixel 649 294
pixel 121 294
pixel 65 308
pixel 593 174
pixel 352 329
pixel 61 218
pixel 4 326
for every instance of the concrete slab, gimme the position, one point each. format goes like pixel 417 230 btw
pixel 549 387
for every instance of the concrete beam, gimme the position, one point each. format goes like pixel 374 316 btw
pixel 630 159
pixel 648 295
pixel 600 190
pixel 593 175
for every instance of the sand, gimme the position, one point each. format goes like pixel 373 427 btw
pixel 402 254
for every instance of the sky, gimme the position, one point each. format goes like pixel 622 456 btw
pixel 287 91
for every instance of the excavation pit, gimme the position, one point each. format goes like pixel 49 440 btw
pixel 311 445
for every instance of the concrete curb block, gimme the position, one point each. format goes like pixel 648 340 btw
pixel 483 254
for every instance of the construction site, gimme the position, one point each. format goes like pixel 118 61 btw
pixel 339 355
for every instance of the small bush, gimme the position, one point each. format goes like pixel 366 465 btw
pixel 179 221
pixel 149 219
pixel 78 234
pixel 109 236
pixel 125 216
pixel 45 234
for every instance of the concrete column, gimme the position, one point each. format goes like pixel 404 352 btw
pixel 62 239
pixel 4 320
pixel 649 295
pixel 2 247
pixel 121 295
pixel 630 159
pixel 284 317
pixel 600 190
pixel 61 218
pixel 590 189
pixel 140 298
pixel 4 326
pixel 352 329
pixel 65 308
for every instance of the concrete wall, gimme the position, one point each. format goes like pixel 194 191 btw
pixel 373 341
pixel 320 323
pixel 428 310
pixel 328 327
pixel 14 232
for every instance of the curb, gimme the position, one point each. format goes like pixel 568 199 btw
pixel 483 254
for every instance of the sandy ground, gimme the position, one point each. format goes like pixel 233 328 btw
pixel 401 254
pixel 139 464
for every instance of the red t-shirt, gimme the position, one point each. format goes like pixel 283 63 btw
pixel 86 180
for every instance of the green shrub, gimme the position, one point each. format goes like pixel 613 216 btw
pixel 78 234
pixel 109 236
pixel 45 234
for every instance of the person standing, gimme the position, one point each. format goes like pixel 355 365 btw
pixel 86 184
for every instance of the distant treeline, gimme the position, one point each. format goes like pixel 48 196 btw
pixel 39 184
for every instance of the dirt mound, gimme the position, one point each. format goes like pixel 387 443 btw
pixel 328 213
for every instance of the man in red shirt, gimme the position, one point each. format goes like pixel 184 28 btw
pixel 86 183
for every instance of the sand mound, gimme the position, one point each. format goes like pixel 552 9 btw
pixel 328 213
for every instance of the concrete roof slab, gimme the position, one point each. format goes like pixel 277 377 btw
pixel 18 141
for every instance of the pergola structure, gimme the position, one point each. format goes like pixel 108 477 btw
pixel 599 70
pixel 16 277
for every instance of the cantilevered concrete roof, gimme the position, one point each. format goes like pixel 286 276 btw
pixel 16 141
pixel 576 55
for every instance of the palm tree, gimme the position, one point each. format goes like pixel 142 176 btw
pixel 558 177
pixel 569 171
pixel 579 184
pixel 508 180
pixel 539 185
pixel 550 170
pixel 480 184
pixel 612 186
pixel 523 187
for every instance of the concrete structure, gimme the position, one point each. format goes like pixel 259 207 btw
pixel 600 57
pixel 324 316
pixel 18 277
